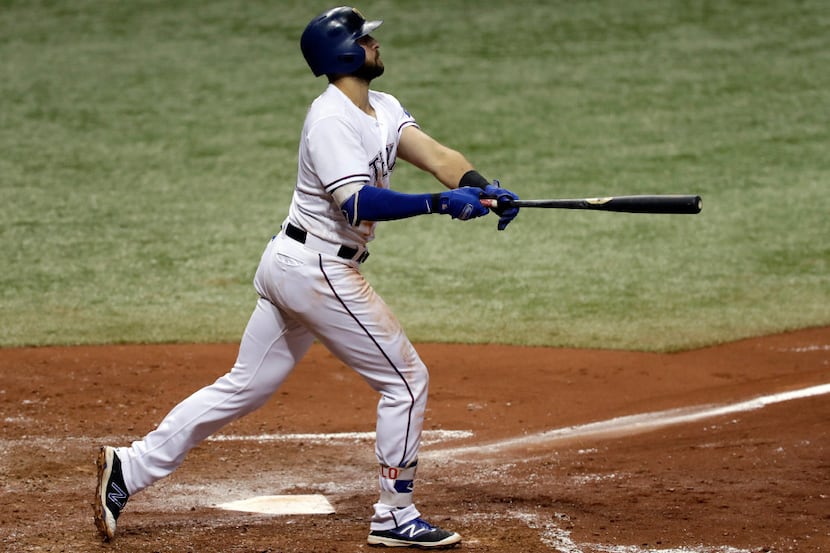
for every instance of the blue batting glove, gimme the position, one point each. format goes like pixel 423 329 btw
pixel 506 214
pixel 461 203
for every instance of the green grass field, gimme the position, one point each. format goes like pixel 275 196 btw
pixel 148 152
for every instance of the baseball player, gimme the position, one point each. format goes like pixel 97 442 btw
pixel 310 285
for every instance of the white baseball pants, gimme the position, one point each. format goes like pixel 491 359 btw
pixel 306 294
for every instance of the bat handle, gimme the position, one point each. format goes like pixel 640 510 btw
pixel 493 203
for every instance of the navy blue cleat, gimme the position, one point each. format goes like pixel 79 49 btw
pixel 111 494
pixel 416 533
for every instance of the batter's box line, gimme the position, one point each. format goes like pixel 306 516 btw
pixel 429 437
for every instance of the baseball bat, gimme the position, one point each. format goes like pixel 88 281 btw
pixel 683 204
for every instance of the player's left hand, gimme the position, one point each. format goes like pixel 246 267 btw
pixel 506 214
pixel 460 203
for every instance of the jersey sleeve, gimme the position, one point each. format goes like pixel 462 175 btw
pixel 405 119
pixel 336 153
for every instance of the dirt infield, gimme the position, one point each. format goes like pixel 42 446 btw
pixel 560 457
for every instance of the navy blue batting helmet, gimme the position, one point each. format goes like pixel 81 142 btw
pixel 329 42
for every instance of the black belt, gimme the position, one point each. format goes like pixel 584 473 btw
pixel 346 252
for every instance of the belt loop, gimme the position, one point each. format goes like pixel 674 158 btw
pixel 312 242
pixel 296 233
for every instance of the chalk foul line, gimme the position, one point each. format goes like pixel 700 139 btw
pixel 631 424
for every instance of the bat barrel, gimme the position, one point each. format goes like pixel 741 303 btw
pixel 678 204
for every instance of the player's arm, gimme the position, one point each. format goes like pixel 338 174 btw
pixel 451 168
pixel 362 202
pixel 444 163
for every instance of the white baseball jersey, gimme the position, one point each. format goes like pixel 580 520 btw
pixel 342 145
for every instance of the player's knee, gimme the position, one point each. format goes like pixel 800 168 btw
pixel 239 390
pixel 418 382
pixel 411 383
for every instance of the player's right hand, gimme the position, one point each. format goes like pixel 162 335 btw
pixel 506 214
pixel 462 203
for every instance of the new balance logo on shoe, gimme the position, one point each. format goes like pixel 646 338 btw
pixel 117 495
pixel 412 530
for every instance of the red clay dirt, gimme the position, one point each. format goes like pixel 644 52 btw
pixel 750 480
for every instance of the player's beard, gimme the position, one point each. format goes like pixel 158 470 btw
pixel 369 70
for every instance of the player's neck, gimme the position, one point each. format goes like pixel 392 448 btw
pixel 357 90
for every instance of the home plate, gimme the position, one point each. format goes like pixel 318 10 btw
pixel 282 505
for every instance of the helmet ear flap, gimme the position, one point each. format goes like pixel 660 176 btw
pixel 350 58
